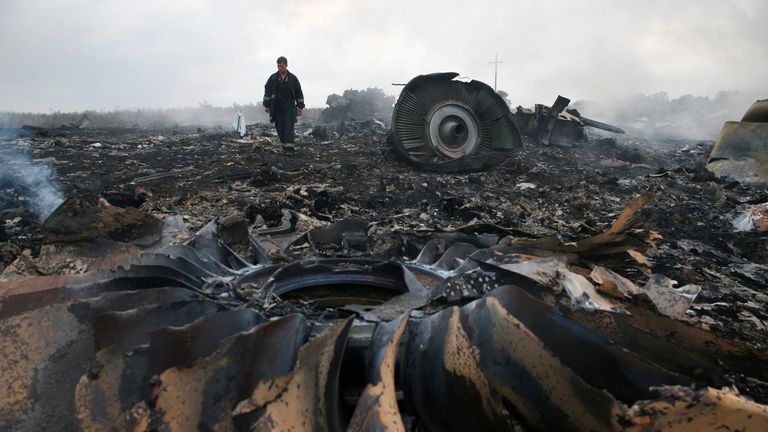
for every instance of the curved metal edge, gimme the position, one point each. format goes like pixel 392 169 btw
pixel 469 163
pixel 299 275
pixel 377 407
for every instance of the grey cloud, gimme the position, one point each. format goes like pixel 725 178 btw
pixel 85 55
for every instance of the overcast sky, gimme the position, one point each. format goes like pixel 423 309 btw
pixel 98 54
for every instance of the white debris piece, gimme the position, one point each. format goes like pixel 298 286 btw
pixel 671 301
pixel 554 272
pixel 755 217
pixel 238 123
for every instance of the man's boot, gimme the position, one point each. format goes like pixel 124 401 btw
pixel 289 147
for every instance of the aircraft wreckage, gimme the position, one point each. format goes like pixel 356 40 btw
pixel 443 124
pixel 741 150
pixel 324 326
pixel 471 330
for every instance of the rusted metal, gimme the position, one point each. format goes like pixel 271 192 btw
pixel 44 353
pixel 377 407
pixel 307 399
pixel 479 368
pixel 596 359
pixel 119 385
pixel 684 409
pixel 208 395
pixel 509 360
pixel 47 349
pixel 542 338
pixel 676 345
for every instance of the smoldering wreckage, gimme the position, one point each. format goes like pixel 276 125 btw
pixel 517 274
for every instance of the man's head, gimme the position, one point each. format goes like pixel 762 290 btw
pixel 282 64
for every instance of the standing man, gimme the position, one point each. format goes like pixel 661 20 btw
pixel 283 101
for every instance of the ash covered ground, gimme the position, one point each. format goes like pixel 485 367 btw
pixel 347 169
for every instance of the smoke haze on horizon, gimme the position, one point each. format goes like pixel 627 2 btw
pixel 81 54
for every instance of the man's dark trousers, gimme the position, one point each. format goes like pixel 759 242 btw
pixel 284 119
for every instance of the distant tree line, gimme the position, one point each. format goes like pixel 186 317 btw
pixel 205 115
pixel 367 104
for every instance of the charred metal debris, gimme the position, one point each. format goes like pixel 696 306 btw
pixel 197 280
pixel 299 327
pixel 447 125
pixel 741 150
pixel 443 124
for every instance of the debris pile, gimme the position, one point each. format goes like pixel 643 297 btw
pixel 356 105
pixel 160 338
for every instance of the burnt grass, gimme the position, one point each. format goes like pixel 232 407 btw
pixel 565 192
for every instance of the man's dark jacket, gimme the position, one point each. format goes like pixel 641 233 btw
pixel 291 97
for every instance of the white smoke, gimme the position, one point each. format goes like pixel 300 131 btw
pixel 31 181
pixel 658 116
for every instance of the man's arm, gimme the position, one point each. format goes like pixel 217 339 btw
pixel 299 95
pixel 267 101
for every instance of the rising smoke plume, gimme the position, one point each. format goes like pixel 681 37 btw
pixel 658 116
pixel 27 183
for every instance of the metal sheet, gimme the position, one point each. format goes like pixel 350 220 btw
pixel 120 385
pixel 377 408
pixel 741 151
pixel 307 399
pixel 205 395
